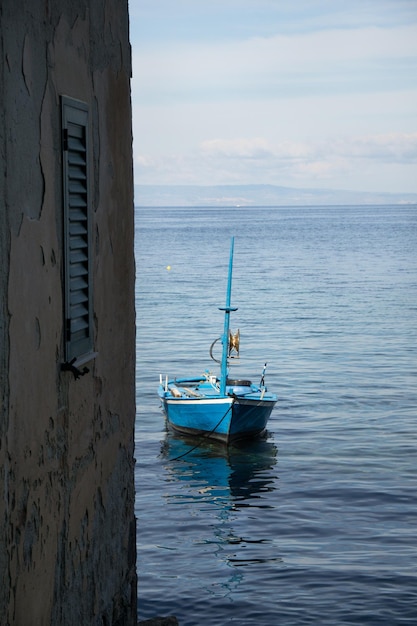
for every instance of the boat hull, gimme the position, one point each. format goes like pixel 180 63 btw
pixel 227 418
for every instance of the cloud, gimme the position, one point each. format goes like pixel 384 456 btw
pixel 187 20
pixel 256 148
pixel 389 147
pixel 300 93
pixel 278 66
pixel 259 160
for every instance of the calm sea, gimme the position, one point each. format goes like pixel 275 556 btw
pixel 317 522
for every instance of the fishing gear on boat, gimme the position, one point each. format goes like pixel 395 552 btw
pixel 262 383
pixel 232 346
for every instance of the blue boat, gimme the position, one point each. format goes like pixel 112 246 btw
pixel 213 407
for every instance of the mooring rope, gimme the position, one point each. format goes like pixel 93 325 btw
pixel 203 437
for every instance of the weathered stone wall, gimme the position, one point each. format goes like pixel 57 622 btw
pixel 67 528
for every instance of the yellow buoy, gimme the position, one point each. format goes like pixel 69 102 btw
pixel 168 267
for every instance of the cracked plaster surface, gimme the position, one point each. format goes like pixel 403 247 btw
pixel 66 452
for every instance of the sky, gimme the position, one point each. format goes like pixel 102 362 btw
pixel 299 93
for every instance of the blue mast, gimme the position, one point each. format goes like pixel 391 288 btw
pixel 227 310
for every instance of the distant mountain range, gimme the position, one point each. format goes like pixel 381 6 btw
pixel 259 195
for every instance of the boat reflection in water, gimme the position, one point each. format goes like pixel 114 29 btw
pixel 226 520
pixel 239 472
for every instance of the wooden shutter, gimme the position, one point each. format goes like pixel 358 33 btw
pixel 77 258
